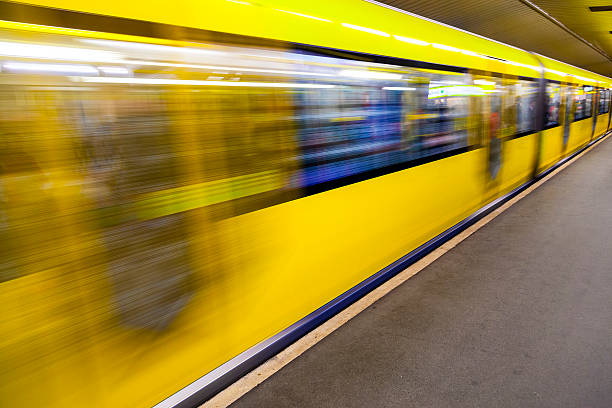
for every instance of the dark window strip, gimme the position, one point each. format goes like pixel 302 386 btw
pixel 382 59
pixel 30 14
pixel 483 73
pixel 586 117
pixel 355 178
pixel 257 202
pixel 522 134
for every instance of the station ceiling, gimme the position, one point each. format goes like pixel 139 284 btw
pixel 566 30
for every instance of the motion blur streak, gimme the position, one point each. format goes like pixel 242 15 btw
pixel 161 81
pixel 106 192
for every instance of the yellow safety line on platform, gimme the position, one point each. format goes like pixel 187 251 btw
pixel 267 369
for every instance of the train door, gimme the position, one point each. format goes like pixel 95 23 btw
pixel 495 132
pixel 43 290
pixel 568 103
pixel 604 107
pixel 609 96
pixel 129 156
pixel 595 109
pixel 489 111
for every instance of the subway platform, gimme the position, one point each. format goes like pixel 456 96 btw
pixel 519 314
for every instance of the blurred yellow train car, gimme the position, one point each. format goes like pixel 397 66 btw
pixel 187 187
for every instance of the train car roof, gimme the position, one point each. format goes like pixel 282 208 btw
pixel 561 71
pixel 363 26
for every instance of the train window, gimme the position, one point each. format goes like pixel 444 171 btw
pixel 604 101
pixel 584 102
pixel 553 104
pixel 579 104
pixel 526 95
pixel 580 101
pixel 372 121
pixel 437 113
pixel 588 107
pixel 508 126
pixel 213 124
pixel 350 129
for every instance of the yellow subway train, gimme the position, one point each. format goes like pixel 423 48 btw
pixel 186 187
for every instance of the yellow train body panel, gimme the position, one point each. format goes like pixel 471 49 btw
pixel 361 235
pixel 518 159
pixel 132 369
pixel 551 147
pixel 269 19
pixel 602 124
pixel 580 134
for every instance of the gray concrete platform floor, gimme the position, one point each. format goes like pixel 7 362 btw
pixel 517 315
